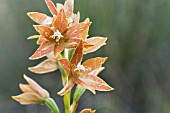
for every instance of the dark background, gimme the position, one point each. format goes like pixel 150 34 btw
pixel 138 45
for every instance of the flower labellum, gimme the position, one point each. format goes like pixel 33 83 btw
pixel 80 67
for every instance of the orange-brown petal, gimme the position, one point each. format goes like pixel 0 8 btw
pixel 97 71
pixel 28 98
pixel 44 49
pixel 69 7
pixel 40 18
pixel 93 63
pixel 73 43
pixel 25 88
pixel 84 84
pixel 95 82
pixel 51 7
pixel 65 65
pixel 58 49
pixel 48 65
pixel 37 88
pixel 51 56
pixel 45 31
pixel 61 21
pixel 66 88
pixel 76 29
pixel 97 42
pixel 76 18
pixel 41 40
pixel 78 54
pixel 84 34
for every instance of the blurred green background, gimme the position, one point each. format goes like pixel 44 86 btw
pixel 138 45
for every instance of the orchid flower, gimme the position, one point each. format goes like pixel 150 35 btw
pixel 32 93
pixel 83 74
pixel 58 36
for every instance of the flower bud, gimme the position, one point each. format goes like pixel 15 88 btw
pixel 32 93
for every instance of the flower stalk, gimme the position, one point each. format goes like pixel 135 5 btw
pixel 66 97
pixel 67 102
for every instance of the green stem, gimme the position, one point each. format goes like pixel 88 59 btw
pixel 66 97
pixel 52 105
pixel 67 102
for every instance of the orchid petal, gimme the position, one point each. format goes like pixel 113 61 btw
pixel 51 7
pixel 48 65
pixel 97 42
pixel 76 18
pixel 66 88
pixel 73 43
pixel 40 18
pixel 44 49
pixel 97 71
pixel 58 49
pixel 93 63
pixel 76 29
pixel 61 23
pixel 84 34
pixel 68 7
pixel 51 56
pixel 45 31
pixel 41 40
pixel 95 82
pixel 65 65
pixel 28 98
pixel 36 87
pixel 78 54
pixel 84 84
pixel 25 88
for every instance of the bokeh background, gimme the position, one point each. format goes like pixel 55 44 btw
pixel 138 45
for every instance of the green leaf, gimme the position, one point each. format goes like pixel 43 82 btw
pixel 78 93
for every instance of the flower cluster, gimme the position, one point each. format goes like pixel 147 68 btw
pixel 63 40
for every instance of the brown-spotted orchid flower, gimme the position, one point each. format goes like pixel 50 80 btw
pixel 83 74
pixel 88 110
pixel 32 93
pixel 59 36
